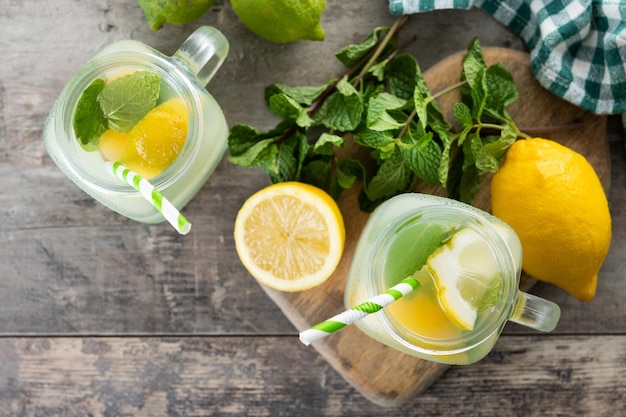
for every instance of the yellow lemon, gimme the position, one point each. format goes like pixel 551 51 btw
pixel 466 276
pixel 282 20
pixel 157 139
pixel 553 199
pixel 290 236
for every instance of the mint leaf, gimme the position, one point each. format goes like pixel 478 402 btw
pixel 373 138
pixel 255 155
pixel 378 118
pixel 423 158
pixel 492 294
pixel 343 109
pixel 347 173
pixel 350 55
pixel 393 176
pixel 421 107
pixel 127 99
pixel 248 147
pixel 378 70
pixel 501 90
pixel 283 161
pixel 326 142
pixel 402 74
pixel 473 64
pixel 89 121
pixel 303 95
pixel 316 172
pixel 350 171
pixel 463 114
pixel 288 108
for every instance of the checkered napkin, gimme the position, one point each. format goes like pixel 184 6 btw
pixel 577 48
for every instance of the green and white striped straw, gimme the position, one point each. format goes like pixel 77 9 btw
pixel 154 196
pixel 358 312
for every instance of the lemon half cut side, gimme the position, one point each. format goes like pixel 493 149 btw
pixel 466 275
pixel 290 236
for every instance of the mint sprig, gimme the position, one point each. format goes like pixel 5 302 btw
pixel 383 104
pixel 119 105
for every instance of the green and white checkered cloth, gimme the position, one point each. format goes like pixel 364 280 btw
pixel 577 48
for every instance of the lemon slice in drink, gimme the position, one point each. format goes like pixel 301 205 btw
pixel 466 276
pixel 290 236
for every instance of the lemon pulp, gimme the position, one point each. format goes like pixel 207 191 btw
pixel 464 271
pixel 290 236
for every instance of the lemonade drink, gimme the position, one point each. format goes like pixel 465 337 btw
pixel 182 76
pixel 397 242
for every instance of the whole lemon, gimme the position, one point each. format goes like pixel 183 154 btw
pixel 553 199
pixel 282 20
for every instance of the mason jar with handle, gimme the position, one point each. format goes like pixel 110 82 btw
pixel 183 75
pixel 398 238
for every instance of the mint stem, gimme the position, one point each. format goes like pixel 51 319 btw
pixel 368 60
pixel 381 46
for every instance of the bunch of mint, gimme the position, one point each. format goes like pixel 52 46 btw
pixel 383 104
pixel 118 105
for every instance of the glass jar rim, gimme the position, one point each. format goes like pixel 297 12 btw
pixel 180 82
pixel 502 254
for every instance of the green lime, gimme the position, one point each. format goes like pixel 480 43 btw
pixel 282 20
pixel 159 12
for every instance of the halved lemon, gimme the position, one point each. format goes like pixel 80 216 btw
pixel 466 275
pixel 290 236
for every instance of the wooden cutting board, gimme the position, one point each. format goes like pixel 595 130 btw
pixel 381 374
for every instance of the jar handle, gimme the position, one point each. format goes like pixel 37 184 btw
pixel 535 312
pixel 203 52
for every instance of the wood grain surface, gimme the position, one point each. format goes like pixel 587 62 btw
pixel 101 316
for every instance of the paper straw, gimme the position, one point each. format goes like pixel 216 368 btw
pixel 356 313
pixel 150 193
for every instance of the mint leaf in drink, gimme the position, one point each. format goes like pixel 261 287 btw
pixel 127 99
pixel 89 121
pixel 491 295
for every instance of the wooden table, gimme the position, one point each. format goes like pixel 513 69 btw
pixel 102 316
